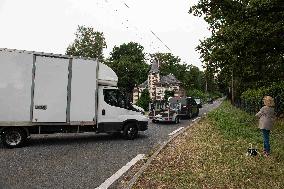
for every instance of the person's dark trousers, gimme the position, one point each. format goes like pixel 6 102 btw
pixel 266 144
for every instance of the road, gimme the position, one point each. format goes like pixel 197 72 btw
pixel 78 160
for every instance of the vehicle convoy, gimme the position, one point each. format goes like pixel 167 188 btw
pixel 177 107
pixel 44 93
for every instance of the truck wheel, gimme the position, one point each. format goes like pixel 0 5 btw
pixel 177 120
pixel 13 137
pixel 130 131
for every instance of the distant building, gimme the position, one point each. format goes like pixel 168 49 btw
pixel 157 85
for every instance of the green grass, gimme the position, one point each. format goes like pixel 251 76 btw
pixel 235 124
pixel 212 154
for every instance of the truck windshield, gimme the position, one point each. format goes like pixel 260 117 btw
pixel 116 98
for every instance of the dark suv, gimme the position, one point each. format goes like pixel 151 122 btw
pixel 188 106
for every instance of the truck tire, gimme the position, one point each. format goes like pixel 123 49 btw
pixel 130 131
pixel 13 137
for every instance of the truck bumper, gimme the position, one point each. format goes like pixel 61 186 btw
pixel 142 125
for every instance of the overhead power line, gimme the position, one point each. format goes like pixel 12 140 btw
pixel 127 24
pixel 126 5
pixel 160 40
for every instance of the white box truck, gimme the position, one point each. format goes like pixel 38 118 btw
pixel 43 93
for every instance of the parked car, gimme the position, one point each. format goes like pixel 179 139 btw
pixel 187 106
pixel 198 101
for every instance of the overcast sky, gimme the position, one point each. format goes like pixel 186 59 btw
pixel 49 25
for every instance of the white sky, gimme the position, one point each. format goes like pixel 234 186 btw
pixel 50 25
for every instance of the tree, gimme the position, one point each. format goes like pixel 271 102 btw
pixel 128 62
pixel 88 43
pixel 190 76
pixel 247 44
pixel 170 64
pixel 144 100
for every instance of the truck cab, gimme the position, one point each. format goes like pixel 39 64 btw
pixel 116 113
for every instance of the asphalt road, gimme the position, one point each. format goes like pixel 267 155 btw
pixel 78 160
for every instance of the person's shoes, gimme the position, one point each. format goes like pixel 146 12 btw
pixel 265 153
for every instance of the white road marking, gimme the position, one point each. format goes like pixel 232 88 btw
pixel 196 119
pixel 120 172
pixel 175 131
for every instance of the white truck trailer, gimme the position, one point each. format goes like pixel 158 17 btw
pixel 43 93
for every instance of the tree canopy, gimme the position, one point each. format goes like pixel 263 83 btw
pixel 128 62
pixel 247 40
pixel 189 75
pixel 144 100
pixel 88 43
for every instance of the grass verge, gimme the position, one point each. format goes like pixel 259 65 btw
pixel 212 154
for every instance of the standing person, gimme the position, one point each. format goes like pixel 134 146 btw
pixel 266 116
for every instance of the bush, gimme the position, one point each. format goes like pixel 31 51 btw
pixel 202 95
pixel 144 100
pixel 252 98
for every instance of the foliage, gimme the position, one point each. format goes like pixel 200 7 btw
pixel 144 100
pixel 88 43
pixel 189 75
pixel 197 94
pixel 204 96
pixel 128 62
pixel 253 97
pixel 246 42
pixel 215 95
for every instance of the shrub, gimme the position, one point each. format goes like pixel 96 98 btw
pixel 252 98
pixel 202 95
pixel 144 100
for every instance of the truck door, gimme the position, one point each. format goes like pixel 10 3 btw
pixel 50 89
pixel 112 109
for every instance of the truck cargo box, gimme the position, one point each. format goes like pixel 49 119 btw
pixel 47 88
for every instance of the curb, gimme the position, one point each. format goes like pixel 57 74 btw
pixel 145 166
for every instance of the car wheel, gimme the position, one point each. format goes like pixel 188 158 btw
pixel 130 131
pixel 13 137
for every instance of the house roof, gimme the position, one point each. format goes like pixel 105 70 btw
pixel 165 80
pixel 169 79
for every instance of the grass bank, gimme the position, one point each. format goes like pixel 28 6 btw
pixel 212 154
